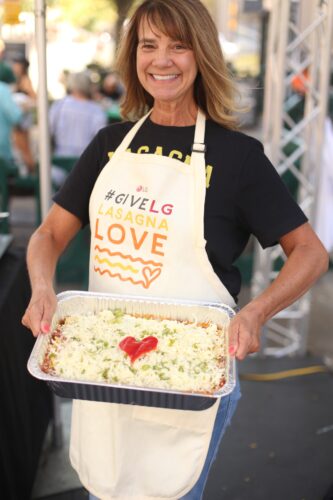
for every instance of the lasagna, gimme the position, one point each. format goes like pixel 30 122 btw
pixel 115 347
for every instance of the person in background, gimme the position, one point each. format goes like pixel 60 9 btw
pixel 25 96
pixel 112 87
pixel 75 119
pixel 6 73
pixel 10 116
pixel 23 84
pixel 109 95
pixel 219 187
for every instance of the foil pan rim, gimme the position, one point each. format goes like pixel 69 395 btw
pixel 62 297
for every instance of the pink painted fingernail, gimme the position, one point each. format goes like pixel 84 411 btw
pixel 46 328
pixel 232 349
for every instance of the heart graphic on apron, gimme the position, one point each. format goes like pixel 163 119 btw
pixel 150 275
pixel 136 348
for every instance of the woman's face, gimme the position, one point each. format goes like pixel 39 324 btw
pixel 166 68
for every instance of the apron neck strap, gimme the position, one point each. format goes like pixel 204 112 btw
pixel 199 147
pixel 131 134
pixel 199 135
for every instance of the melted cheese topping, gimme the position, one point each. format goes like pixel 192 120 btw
pixel 189 356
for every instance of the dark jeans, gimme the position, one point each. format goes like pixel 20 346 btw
pixel 223 418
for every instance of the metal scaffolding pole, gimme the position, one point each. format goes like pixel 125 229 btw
pixel 42 100
pixel 298 50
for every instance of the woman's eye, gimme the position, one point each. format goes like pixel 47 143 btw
pixel 179 46
pixel 147 46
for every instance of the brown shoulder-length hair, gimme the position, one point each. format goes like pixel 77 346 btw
pixel 189 22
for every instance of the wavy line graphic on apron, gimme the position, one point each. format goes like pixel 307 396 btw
pixel 146 271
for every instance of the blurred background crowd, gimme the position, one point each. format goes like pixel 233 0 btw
pixel 91 101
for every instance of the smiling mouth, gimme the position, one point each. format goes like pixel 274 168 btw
pixel 164 78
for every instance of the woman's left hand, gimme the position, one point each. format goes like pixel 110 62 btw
pixel 306 260
pixel 244 333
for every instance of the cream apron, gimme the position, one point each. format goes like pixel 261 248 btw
pixel 146 216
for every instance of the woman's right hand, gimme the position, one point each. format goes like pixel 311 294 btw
pixel 39 313
pixel 45 246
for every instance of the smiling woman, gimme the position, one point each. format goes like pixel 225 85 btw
pixel 175 42
pixel 210 187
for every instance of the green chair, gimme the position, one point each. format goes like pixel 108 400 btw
pixel 9 167
pixel 113 114
pixel 73 265
pixel 66 163
pixel 21 184
pixel 245 266
pixel 12 183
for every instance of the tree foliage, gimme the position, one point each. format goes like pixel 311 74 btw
pixel 123 9
pixel 87 14
pixel 90 15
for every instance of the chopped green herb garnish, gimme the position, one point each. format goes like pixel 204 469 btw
pixel 118 314
pixel 120 332
pixel 167 331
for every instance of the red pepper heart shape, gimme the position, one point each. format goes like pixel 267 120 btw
pixel 136 348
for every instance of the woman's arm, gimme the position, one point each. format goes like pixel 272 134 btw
pixel 306 261
pixel 45 246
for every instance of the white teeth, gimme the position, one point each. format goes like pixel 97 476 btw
pixel 164 77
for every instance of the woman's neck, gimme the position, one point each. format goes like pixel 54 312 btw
pixel 174 114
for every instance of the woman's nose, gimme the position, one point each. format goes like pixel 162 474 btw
pixel 162 58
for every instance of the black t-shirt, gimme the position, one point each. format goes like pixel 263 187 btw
pixel 244 194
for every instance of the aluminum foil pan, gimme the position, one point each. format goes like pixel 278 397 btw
pixel 74 302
